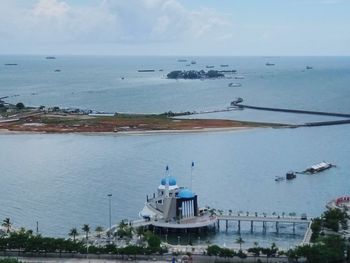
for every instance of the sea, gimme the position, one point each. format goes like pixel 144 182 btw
pixel 62 181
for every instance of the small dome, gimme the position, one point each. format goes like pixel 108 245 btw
pixel 172 181
pixel 186 193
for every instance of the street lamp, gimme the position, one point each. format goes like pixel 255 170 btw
pixel 110 216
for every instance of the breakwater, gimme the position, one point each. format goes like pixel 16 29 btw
pixel 334 114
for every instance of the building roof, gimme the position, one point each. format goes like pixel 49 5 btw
pixel 186 193
pixel 171 180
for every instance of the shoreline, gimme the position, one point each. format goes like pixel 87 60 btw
pixel 41 122
pixel 130 133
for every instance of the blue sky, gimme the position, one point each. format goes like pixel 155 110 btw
pixel 175 27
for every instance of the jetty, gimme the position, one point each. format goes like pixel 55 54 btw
pixel 334 114
pixel 262 219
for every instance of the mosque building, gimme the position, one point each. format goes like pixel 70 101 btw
pixel 176 207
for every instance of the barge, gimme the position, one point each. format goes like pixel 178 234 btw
pixel 316 168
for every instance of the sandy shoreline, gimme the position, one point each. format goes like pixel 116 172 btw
pixel 128 133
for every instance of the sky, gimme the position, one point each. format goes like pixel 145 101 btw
pixel 176 27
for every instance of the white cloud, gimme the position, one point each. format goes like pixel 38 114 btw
pixel 111 21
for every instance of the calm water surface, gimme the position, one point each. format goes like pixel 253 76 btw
pixel 62 181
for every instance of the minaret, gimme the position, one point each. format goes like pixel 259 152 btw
pixel 166 192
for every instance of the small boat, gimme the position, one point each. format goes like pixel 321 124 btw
pixel 308 67
pixel 50 57
pixel 209 66
pixel 269 64
pixel 11 64
pixel 291 175
pixel 193 62
pixel 146 70
pixel 182 60
pixel 239 77
pixel 316 168
pixel 235 84
pixel 224 65
pixel 235 102
pixel 57 70
pixel 279 178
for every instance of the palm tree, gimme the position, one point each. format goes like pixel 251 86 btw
pixel 99 229
pixel 7 224
pixel 240 241
pixel 73 233
pixel 86 229
pixel 256 244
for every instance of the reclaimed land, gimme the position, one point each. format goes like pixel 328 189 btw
pixel 41 122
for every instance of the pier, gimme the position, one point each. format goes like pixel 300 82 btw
pixel 334 114
pixel 262 219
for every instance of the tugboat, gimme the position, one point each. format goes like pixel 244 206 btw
pixel 291 175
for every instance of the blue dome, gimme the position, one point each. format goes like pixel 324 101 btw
pixel 186 193
pixel 172 181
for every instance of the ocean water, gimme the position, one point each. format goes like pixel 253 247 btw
pixel 62 181
pixel 96 83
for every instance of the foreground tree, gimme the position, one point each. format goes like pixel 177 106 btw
pixel 20 106
pixel 7 224
pixel 86 229
pixel 240 241
pixel 73 233
pixel 98 230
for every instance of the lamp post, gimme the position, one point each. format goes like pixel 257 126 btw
pixel 110 216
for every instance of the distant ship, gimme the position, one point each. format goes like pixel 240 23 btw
pixel 224 65
pixel 11 64
pixel 209 66
pixel 291 175
pixel 269 64
pixel 146 70
pixel 308 67
pixel 193 62
pixel 235 84
pixel 50 57
pixel 279 178
pixel 182 60
pixel 316 168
